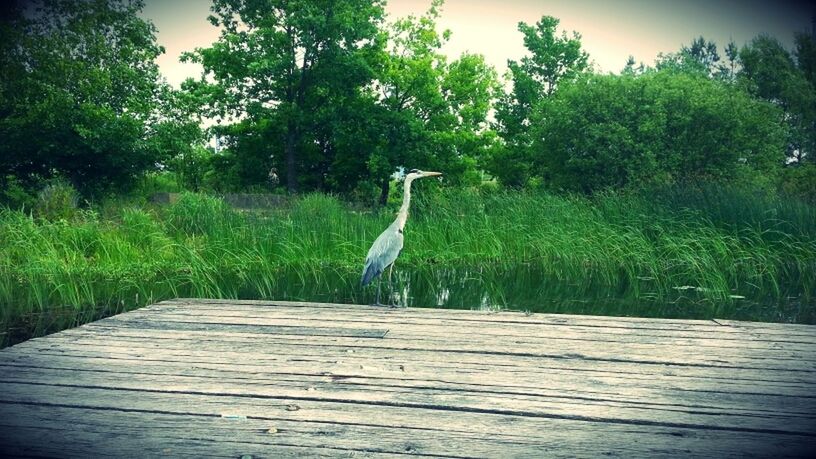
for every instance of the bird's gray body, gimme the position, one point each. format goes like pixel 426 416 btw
pixel 383 252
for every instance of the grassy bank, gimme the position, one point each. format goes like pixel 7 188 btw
pixel 714 247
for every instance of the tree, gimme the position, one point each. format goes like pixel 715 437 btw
pixel 630 69
pixel 770 73
pixel 80 87
pixel 408 94
pixel 551 60
pixel 611 132
pixel 432 113
pixel 175 133
pixel 701 56
pixel 788 80
pixel 284 60
pixel 251 153
pixel 704 52
pixel 805 54
pixel 729 72
pixel 469 87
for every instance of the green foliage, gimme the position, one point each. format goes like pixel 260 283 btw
pixel 770 72
pixel 191 167
pixel 253 152
pixel 197 214
pixel 334 117
pixel 647 249
pixel 14 194
pixel 177 136
pixel 800 181
pixel 627 131
pixel 433 113
pixel 57 201
pixel 738 208
pixel 158 182
pixel 78 94
pixel 805 54
pixel 551 60
pixel 227 173
pixel 281 65
pixel 700 57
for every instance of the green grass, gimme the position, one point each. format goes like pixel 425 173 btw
pixel 637 254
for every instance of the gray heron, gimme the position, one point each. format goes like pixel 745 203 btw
pixel 383 253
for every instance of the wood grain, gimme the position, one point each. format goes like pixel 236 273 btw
pixel 224 378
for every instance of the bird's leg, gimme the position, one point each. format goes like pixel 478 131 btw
pixel 390 286
pixel 379 283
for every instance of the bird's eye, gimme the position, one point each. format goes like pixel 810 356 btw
pixel 413 171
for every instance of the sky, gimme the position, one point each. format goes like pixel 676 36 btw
pixel 611 30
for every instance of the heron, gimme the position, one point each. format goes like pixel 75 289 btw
pixel 386 248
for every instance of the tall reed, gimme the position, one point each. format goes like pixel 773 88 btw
pixel 649 249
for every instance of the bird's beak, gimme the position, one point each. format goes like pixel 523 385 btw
pixel 431 174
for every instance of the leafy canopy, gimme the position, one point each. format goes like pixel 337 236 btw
pixel 280 65
pixel 80 96
pixel 432 112
pixel 552 59
pixel 662 127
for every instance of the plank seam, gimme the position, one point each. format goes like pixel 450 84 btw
pixel 500 412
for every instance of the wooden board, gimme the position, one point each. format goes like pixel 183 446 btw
pixel 222 378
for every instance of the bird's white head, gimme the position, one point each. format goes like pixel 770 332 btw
pixel 416 173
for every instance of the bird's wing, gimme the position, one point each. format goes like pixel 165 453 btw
pixel 382 253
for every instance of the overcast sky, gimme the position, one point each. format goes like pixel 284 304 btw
pixel 611 29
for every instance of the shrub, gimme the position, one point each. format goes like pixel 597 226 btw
pixel 609 131
pixel 800 181
pixel 57 201
pixel 14 195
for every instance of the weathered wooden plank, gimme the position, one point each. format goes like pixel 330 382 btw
pixel 554 437
pixel 498 316
pixel 267 328
pixel 211 350
pixel 329 312
pixel 40 431
pixel 647 354
pixel 289 316
pixel 333 379
pixel 710 392
pixel 464 314
pixel 535 405
pixel 435 331
pixel 599 390
pixel 234 436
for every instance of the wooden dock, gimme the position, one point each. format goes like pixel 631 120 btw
pixel 200 378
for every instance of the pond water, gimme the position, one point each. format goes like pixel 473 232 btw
pixel 526 287
pixel 519 287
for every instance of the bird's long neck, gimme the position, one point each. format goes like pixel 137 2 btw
pixel 402 216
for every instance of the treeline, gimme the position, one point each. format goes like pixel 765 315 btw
pixel 692 117
pixel 329 96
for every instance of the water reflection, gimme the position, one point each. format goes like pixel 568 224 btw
pixel 519 287
pixel 526 287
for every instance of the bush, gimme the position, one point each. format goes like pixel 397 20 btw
pixel 627 131
pixel 191 167
pixel 57 201
pixel 800 181
pixel 14 195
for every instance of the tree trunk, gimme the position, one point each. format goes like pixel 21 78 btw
pixel 384 188
pixel 291 176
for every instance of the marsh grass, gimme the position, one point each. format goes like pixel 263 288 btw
pixel 669 254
